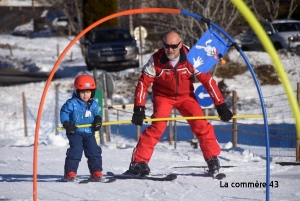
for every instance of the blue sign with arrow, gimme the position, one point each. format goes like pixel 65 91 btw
pixel 203 97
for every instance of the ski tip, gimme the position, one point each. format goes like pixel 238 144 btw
pixel 85 181
pixel 220 176
pixel 171 176
pixel 110 174
pixel 110 180
pixel 288 163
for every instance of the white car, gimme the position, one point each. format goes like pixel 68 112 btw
pixel 60 22
pixel 283 34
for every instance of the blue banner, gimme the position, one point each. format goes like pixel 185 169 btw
pixel 207 51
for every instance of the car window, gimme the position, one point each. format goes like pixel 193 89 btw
pixel 267 27
pixel 286 27
pixel 249 31
pixel 110 36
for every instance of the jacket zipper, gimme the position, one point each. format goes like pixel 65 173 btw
pixel 176 79
pixel 86 107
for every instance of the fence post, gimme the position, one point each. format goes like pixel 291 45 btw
pixel 117 133
pixel 57 50
pixel 234 124
pixel 138 131
pixel 175 130
pixel 24 114
pixel 141 45
pixel 170 132
pixel 56 108
pixel 106 109
pixel 10 51
pixel 298 140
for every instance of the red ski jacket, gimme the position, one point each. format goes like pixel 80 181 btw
pixel 173 82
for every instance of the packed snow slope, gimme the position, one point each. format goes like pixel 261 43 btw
pixel 245 181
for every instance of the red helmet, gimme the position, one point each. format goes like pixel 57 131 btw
pixel 84 82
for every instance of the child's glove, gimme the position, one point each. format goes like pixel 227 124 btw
pixel 71 129
pixel 224 112
pixel 138 115
pixel 97 123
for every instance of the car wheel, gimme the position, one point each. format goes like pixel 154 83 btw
pixel 245 48
pixel 137 64
pixel 88 65
pixel 277 46
pixel 298 50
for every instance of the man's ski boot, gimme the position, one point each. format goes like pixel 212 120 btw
pixel 138 168
pixel 213 165
pixel 213 168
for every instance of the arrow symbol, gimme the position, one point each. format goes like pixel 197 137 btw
pixel 203 95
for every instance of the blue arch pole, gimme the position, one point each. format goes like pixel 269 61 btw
pixel 258 90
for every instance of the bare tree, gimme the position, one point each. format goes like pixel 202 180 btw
pixel 292 9
pixel 270 9
pixel 72 9
pixel 223 13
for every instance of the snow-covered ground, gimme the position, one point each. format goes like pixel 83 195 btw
pixel 191 184
pixel 16 159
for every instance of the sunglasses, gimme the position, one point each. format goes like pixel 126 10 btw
pixel 167 46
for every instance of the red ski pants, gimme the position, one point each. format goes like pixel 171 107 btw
pixel 187 106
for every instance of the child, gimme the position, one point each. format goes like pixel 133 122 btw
pixel 82 109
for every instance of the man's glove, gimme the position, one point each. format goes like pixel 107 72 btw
pixel 97 123
pixel 224 112
pixel 138 115
pixel 69 127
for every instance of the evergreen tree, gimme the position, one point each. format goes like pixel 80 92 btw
pixel 94 10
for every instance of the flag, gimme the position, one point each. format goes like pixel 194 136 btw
pixel 207 51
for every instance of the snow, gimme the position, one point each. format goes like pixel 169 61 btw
pixel 16 159
pixel 25 27
pixel 27 3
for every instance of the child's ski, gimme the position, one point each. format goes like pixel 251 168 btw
pixel 85 181
pixel 75 180
pixel 103 180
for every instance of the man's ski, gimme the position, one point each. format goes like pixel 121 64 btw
pixel 202 166
pixel 168 177
pixel 218 175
